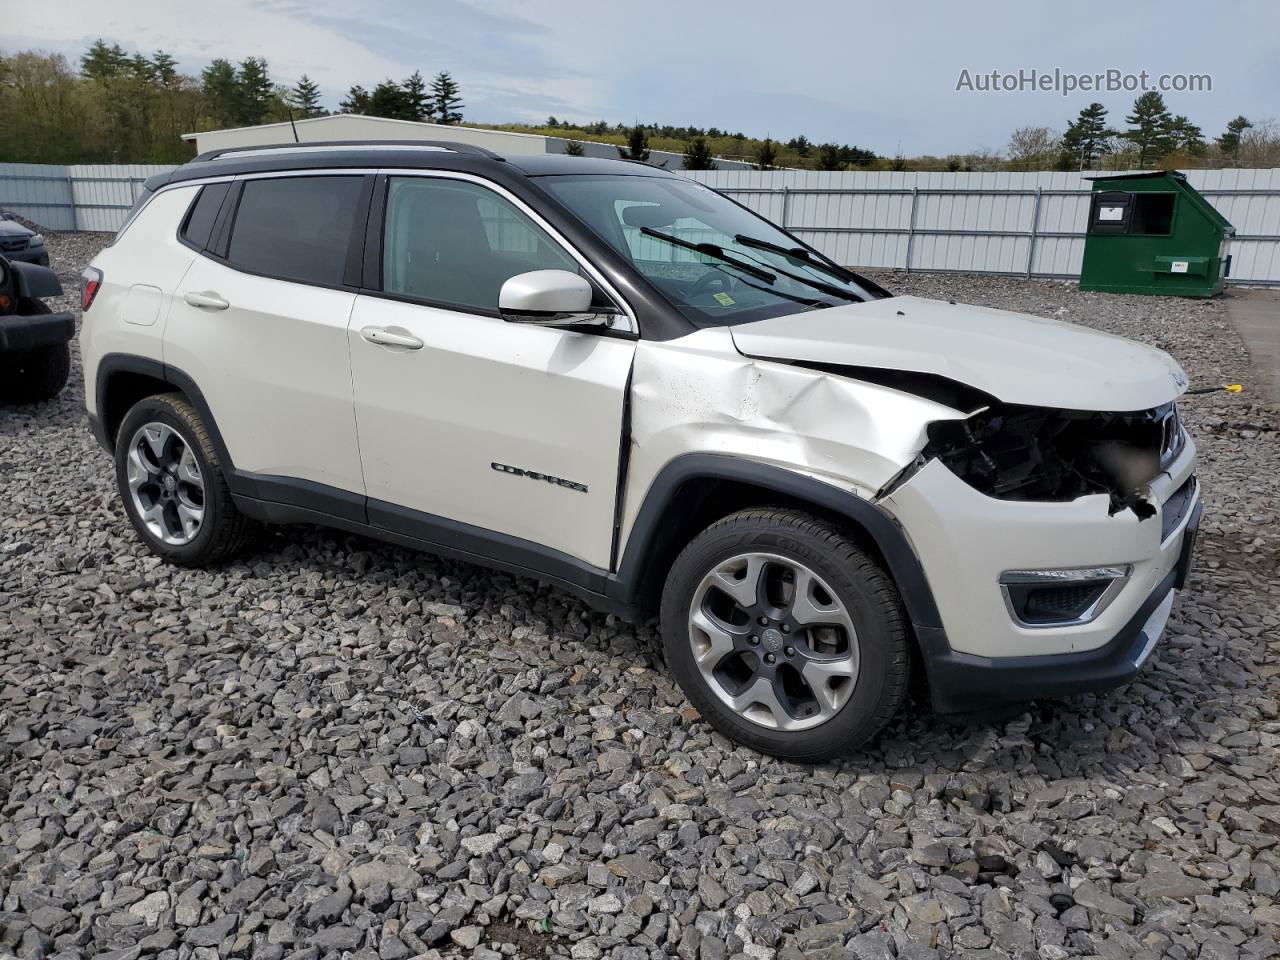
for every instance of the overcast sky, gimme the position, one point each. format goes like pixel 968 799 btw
pixel 880 75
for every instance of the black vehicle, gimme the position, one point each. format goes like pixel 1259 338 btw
pixel 21 243
pixel 35 356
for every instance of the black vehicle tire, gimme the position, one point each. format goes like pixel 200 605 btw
pixel 29 376
pixel 159 442
pixel 835 630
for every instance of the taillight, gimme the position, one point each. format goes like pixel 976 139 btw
pixel 90 281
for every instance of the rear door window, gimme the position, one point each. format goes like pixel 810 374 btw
pixel 296 228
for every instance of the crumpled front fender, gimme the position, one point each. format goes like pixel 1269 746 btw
pixel 699 395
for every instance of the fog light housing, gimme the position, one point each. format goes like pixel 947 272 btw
pixel 1061 597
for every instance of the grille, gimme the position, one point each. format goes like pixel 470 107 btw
pixel 1172 438
pixel 13 243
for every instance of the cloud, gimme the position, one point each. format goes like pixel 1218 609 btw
pixel 878 75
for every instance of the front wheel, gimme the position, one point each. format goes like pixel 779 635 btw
pixel 785 635
pixel 172 484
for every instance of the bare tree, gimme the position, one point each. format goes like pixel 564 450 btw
pixel 1033 148
pixel 1260 145
pixel 984 160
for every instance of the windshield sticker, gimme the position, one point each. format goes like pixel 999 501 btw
pixel 724 299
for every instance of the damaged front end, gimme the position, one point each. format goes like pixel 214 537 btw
pixel 1013 452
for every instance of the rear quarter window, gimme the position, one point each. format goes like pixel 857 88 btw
pixel 199 223
pixel 296 228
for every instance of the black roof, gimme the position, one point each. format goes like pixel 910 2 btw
pixel 423 154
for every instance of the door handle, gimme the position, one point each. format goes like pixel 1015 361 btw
pixel 206 299
pixel 389 338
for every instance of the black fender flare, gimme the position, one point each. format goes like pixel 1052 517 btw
pixel 887 534
pixel 116 363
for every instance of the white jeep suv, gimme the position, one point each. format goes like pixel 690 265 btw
pixel 620 381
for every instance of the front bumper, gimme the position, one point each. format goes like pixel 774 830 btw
pixel 961 682
pixel 36 255
pixel 966 540
pixel 37 330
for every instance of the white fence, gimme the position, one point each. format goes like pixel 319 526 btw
pixel 1023 224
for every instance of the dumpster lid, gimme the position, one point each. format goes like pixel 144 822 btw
pixel 1178 180
pixel 1142 175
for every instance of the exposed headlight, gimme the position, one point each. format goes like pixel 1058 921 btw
pixel 1028 453
pixel 36 240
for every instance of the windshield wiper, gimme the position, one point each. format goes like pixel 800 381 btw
pixel 803 255
pixel 711 250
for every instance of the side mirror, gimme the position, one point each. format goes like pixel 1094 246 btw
pixel 554 298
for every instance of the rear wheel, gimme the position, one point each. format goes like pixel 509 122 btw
pixel 172 486
pixel 29 376
pixel 785 635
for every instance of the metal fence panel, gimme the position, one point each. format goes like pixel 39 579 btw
pixel 1030 224
pixel 75 197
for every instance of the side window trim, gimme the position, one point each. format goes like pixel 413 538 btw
pixel 375 239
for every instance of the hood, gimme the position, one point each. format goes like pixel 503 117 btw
pixel 12 228
pixel 1014 357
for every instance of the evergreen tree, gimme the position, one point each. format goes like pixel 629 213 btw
pixel 164 68
pixel 697 155
pixel 1184 135
pixel 800 145
pixel 446 99
pixel 389 99
pixel 1149 127
pixel 829 157
pixel 573 148
pixel 357 101
pixel 255 90
pixel 1086 137
pixel 637 147
pixel 140 68
pixel 1229 142
pixel 765 156
pixel 305 97
pixel 102 62
pixel 221 92
pixel 417 101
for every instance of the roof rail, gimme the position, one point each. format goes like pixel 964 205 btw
pixel 449 145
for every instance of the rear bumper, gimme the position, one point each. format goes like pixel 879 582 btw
pixel 40 330
pixel 962 682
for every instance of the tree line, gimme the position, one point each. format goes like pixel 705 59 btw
pixel 121 107
pixel 699 147
pixel 1154 136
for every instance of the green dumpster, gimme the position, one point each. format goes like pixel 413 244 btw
pixel 1153 233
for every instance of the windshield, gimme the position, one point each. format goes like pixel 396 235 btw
pixel 716 262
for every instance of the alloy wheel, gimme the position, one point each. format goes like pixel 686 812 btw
pixel 773 641
pixel 165 483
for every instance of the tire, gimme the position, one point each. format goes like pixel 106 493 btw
pixel 835 630
pixel 29 376
pixel 159 442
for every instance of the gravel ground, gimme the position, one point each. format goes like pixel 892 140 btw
pixel 340 747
